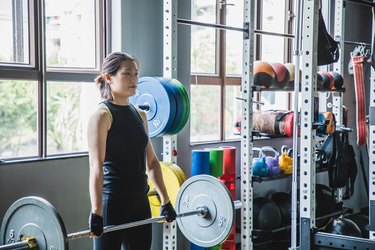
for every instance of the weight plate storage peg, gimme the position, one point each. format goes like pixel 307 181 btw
pixel 215 226
pixel 34 216
pixel 160 102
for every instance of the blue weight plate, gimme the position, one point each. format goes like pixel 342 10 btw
pixel 161 101
pixel 174 129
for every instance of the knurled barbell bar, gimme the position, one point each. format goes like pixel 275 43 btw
pixel 33 222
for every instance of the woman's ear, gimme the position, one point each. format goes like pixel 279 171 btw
pixel 107 77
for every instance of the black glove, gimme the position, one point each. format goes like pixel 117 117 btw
pixel 168 211
pixel 96 224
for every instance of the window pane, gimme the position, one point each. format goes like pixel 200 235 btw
pixel 274 100
pixel 14 27
pixel 233 108
pixel 18 119
pixel 69 106
pixel 273 48
pixel 205 113
pixel 234 43
pixel 70 33
pixel 234 39
pixel 203 40
pixel 273 18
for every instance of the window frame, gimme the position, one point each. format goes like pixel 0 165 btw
pixel 37 70
pixel 220 78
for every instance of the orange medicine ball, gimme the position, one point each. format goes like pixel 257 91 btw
pixel 263 74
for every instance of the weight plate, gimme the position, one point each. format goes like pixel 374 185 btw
pixel 161 101
pixel 186 103
pixel 34 216
pixel 174 170
pixel 179 172
pixel 179 109
pixel 172 183
pixel 216 225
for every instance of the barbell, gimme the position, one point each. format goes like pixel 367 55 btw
pixel 205 216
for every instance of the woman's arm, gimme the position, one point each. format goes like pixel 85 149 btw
pixel 153 168
pixel 96 136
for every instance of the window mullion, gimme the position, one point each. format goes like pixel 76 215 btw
pixel 222 67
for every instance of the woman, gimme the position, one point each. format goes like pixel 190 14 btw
pixel 120 153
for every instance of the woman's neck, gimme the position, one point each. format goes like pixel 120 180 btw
pixel 124 101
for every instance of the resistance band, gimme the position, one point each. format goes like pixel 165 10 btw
pixel 360 99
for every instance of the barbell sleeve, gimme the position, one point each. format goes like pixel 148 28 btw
pixel 202 211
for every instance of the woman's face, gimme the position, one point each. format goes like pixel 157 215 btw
pixel 124 83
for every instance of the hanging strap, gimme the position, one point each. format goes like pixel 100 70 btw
pixel 360 99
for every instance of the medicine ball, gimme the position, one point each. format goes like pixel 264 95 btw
pixel 343 226
pixel 291 69
pixel 283 201
pixel 327 80
pixel 282 76
pixel 266 214
pixel 361 221
pixel 338 81
pixel 263 74
pixel 319 80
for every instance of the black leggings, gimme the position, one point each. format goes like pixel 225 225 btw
pixel 119 210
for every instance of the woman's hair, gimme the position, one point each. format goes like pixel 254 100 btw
pixel 111 65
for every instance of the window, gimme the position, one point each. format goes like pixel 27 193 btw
pixel 69 105
pixel 67 46
pixel 19 121
pixel 216 63
pixel 14 26
pixel 44 111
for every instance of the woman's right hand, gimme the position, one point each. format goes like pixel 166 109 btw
pixel 95 225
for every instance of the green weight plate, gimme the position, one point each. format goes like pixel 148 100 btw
pixel 186 102
pixel 216 225
pixel 180 107
pixel 34 216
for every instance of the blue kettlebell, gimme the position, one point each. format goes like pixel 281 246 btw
pixel 272 162
pixel 259 165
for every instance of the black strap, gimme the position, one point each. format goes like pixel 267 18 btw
pixel 328 49
pixel 363 169
pixel 279 117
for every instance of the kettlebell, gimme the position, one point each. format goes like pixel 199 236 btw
pixel 272 161
pixel 285 161
pixel 259 164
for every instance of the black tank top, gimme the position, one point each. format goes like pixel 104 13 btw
pixel 124 166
